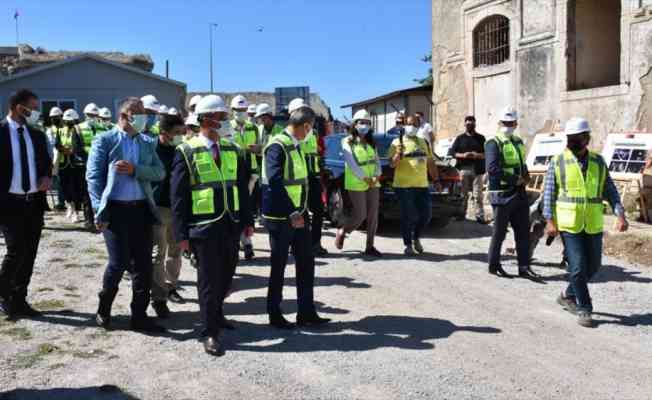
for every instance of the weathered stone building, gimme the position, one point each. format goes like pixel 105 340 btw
pixel 551 59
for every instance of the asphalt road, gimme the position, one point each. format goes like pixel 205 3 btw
pixel 433 327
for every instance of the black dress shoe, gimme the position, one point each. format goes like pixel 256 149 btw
pixel 213 346
pixel 278 321
pixel 373 252
pixel 161 309
pixel 24 309
pixel 527 273
pixel 500 272
pixel 146 325
pixel 225 324
pixel 6 308
pixel 319 251
pixel 312 320
pixel 175 297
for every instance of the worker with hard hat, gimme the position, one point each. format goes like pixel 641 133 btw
pixel 245 134
pixel 413 162
pixel 210 204
pixel 251 113
pixel 72 163
pixel 54 127
pixel 88 130
pixel 152 109
pixel 105 117
pixel 310 149
pixel 192 104
pixel 192 127
pixel 508 176
pixel 284 208
pixel 163 110
pixel 266 126
pixel 577 183
pixel 173 111
pixel 361 173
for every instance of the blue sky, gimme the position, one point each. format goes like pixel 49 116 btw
pixel 344 50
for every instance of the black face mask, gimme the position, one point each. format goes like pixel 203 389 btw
pixel 56 121
pixel 578 145
pixel 470 127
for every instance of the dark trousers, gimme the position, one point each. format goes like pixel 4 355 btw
pixel 316 207
pixel 217 256
pixel 416 212
pixel 89 215
pixel 74 185
pixel 584 253
pixel 129 242
pixel 516 212
pixel 21 228
pixel 56 185
pixel 281 237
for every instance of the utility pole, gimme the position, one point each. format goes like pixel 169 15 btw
pixel 210 35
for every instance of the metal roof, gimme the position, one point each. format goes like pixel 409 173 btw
pixel 395 93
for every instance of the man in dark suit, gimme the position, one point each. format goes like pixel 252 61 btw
pixel 25 172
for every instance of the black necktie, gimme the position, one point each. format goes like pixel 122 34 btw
pixel 24 163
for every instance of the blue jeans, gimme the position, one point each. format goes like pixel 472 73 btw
pixel 584 253
pixel 416 212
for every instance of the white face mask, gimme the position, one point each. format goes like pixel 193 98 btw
pixel 241 116
pixel 411 130
pixel 176 140
pixel 225 130
pixel 33 117
pixel 507 130
pixel 363 129
pixel 138 122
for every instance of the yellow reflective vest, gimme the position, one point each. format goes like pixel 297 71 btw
pixel 579 205
pixel 512 153
pixel 310 149
pixel 245 136
pixel 365 156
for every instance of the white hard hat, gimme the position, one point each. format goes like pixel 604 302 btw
pixel 105 112
pixel 210 104
pixel 509 115
pixel 296 104
pixel 55 112
pixel 576 125
pixel 194 100
pixel 263 109
pixel 239 101
pixel 150 103
pixel 91 108
pixel 163 109
pixel 70 115
pixel 173 111
pixel 191 120
pixel 251 109
pixel 361 115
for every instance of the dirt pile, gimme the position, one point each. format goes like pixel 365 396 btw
pixel 633 247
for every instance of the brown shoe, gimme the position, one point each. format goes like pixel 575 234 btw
pixel 339 239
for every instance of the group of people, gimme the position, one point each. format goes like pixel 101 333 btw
pixel 160 188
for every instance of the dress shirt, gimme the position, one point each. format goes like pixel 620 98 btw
pixel 17 177
pixel 550 190
pixel 127 187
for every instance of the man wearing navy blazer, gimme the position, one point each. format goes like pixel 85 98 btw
pixel 25 171
pixel 121 167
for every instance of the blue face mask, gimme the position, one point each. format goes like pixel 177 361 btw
pixel 152 119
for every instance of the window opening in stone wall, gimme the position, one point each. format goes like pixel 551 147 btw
pixel 491 41
pixel 594 46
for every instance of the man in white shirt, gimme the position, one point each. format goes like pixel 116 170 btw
pixel 425 131
pixel 25 171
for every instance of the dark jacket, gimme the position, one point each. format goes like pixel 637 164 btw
pixel 494 163
pixel 275 198
pixel 41 155
pixel 181 201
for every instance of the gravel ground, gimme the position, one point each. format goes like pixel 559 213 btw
pixel 433 327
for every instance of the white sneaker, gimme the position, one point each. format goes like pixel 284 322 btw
pixel 69 211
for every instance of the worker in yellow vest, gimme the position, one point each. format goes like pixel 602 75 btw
pixel 72 165
pixel 210 204
pixel 251 113
pixel 105 117
pixel 266 126
pixel 152 109
pixel 284 208
pixel 508 176
pixel 245 135
pixel 361 172
pixel 576 185
pixel 56 125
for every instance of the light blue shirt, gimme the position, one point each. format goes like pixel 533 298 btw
pixel 126 187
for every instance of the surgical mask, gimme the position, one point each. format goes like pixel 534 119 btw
pixel 507 130
pixel 225 130
pixel 241 116
pixel 363 128
pixel 176 140
pixel 151 120
pixel 139 122
pixel 32 118
pixel 411 130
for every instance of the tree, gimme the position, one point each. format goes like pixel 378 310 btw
pixel 427 81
